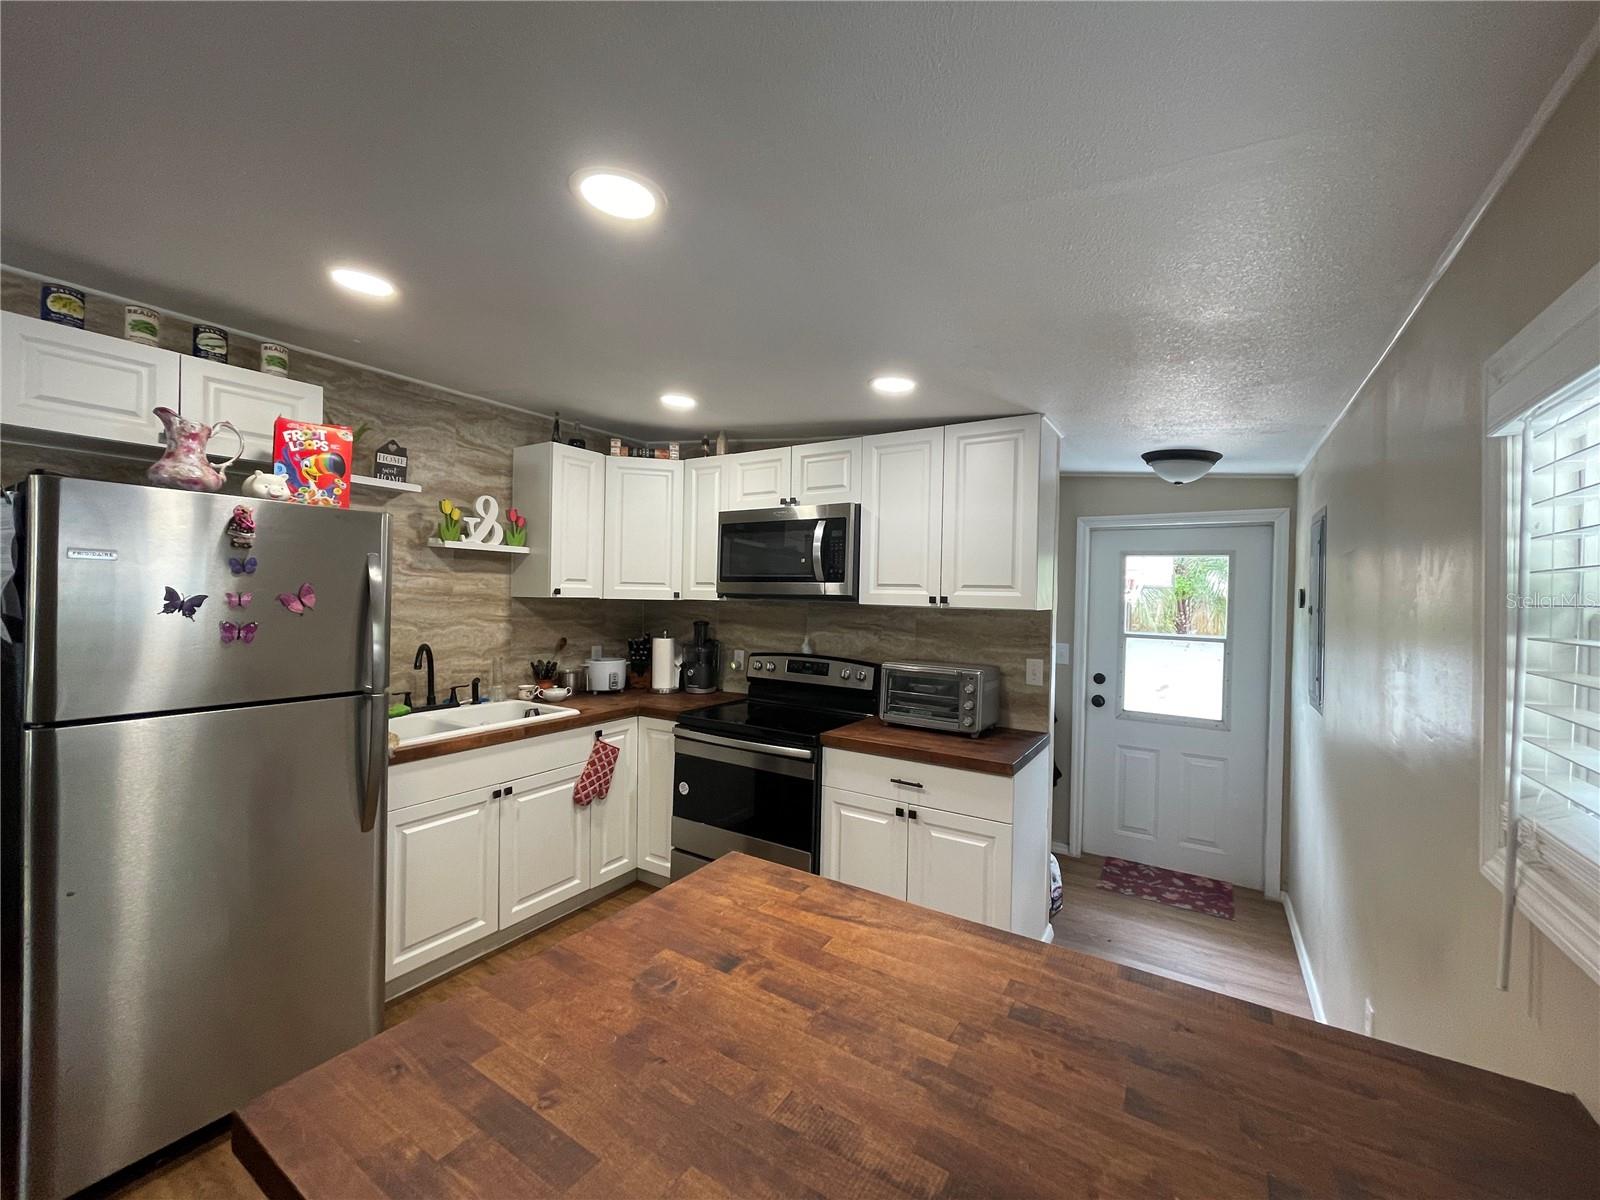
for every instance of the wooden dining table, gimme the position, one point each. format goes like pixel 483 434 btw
pixel 755 1031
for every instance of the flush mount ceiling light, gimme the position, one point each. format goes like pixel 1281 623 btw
pixel 677 400
pixel 1181 466
pixel 362 282
pixel 893 385
pixel 619 194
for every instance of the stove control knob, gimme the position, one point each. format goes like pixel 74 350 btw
pixel 966 720
pixel 771 666
pixel 755 664
pixel 967 704
pixel 969 689
pixel 862 676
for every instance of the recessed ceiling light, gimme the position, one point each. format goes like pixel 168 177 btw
pixel 893 385
pixel 619 194
pixel 1181 466
pixel 361 281
pixel 677 400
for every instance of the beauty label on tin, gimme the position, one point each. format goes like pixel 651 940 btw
pixel 274 358
pixel 141 325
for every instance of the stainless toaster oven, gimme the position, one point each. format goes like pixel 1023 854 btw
pixel 952 697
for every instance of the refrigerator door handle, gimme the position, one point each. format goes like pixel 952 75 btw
pixel 377 638
pixel 377 754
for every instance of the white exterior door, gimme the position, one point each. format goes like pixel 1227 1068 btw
pixel 702 504
pixel 443 878
pixel 1176 709
pixel 86 384
pixel 253 401
pixel 544 844
pixel 756 479
pixel 864 841
pixel 959 865
pixel 656 750
pixel 991 514
pixel 644 529
pixel 902 516
pixel 614 817
pixel 827 472
pixel 578 521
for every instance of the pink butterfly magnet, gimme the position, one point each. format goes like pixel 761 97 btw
pixel 239 599
pixel 301 601
pixel 243 633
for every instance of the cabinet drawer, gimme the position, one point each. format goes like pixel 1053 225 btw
pixel 417 782
pixel 968 792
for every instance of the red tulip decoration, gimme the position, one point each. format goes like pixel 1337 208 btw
pixel 516 528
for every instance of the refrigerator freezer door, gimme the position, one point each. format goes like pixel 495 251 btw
pixel 101 556
pixel 205 922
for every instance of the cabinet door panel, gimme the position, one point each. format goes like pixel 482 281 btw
pixel 85 384
pixel 863 842
pixel 960 865
pixel 251 400
pixel 577 516
pixel 827 472
pixel 991 514
pixel 755 479
pixel 443 878
pixel 702 503
pixel 544 844
pixel 614 817
pixel 644 529
pixel 902 517
pixel 656 750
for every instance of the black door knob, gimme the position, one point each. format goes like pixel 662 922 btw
pixel 1099 677
pixel 1098 701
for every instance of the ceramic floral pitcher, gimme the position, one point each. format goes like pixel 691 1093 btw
pixel 184 465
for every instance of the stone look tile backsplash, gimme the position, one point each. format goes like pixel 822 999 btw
pixel 461 604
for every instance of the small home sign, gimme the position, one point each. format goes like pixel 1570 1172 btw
pixel 389 462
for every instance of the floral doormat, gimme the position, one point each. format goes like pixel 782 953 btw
pixel 1172 888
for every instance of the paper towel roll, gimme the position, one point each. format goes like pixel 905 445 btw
pixel 665 659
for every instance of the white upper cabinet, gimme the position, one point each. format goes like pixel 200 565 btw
pixel 826 472
pixel 644 529
pixel 1001 480
pixel 702 502
pixel 902 515
pixel 756 479
pixel 614 817
pixel 70 381
pixel 251 400
pixel 562 492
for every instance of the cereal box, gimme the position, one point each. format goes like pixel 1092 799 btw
pixel 315 460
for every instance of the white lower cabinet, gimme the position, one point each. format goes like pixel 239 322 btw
pixel 544 845
pixel 656 751
pixel 443 875
pixel 989 863
pixel 506 844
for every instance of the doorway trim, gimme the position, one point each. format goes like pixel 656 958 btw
pixel 1277 671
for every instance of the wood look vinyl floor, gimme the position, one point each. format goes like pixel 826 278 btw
pixel 1251 957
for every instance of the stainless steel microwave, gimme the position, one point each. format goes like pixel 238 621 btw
pixel 799 550
pixel 953 697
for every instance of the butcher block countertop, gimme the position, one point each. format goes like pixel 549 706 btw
pixel 997 752
pixel 755 1031
pixel 593 709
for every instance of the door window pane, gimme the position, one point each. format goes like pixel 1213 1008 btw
pixel 1184 594
pixel 1174 677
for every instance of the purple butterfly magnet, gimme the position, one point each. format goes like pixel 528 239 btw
pixel 243 566
pixel 239 599
pixel 231 632
pixel 176 602
pixel 301 601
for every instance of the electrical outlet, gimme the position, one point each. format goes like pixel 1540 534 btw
pixel 1366 1017
pixel 1035 668
pixel 737 660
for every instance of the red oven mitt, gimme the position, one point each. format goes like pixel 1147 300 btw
pixel 596 778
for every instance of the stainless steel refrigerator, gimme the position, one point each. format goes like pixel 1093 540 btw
pixel 193 814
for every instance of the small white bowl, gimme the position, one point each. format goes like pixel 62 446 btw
pixel 554 694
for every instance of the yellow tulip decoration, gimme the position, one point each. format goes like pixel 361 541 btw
pixel 450 527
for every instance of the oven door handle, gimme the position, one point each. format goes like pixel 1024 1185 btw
pixel 816 552
pixel 733 743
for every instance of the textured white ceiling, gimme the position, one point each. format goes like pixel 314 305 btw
pixel 1159 224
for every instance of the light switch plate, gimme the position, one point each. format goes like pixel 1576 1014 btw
pixel 1035 668
pixel 1063 654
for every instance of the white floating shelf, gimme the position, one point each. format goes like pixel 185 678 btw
pixel 440 544
pixel 387 485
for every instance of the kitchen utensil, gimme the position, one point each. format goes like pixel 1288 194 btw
pixel 572 679
pixel 553 694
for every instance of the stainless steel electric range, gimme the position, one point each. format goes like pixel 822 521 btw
pixel 747 774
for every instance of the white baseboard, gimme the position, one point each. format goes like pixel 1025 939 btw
pixel 1061 848
pixel 1306 973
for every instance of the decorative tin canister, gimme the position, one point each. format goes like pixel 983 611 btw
pixel 211 342
pixel 63 305
pixel 274 358
pixel 141 325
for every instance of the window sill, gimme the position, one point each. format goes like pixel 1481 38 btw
pixel 1555 906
